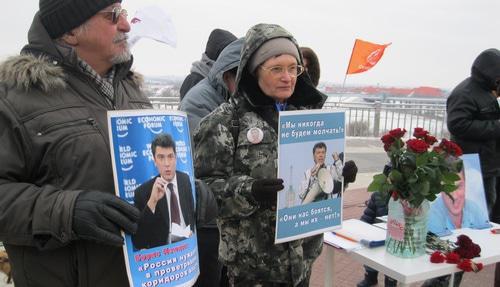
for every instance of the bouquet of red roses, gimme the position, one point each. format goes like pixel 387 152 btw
pixel 460 253
pixel 421 168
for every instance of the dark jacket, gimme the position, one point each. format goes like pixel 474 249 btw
pixel 377 205
pixel 55 144
pixel 217 41
pixel 192 79
pixel 208 94
pixel 474 113
pixel 153 228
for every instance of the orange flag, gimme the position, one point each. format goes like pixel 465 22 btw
pixel 364 56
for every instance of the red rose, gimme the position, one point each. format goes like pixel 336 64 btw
pixel 463 241
pixel 466 248
pixel 451 147
pixel 470 252
pixel 387 139
pixel 476 250
pixel 418 146
pixel 452 258
pixel 437 257
pixel 397 133
pixel 420 133
pixel 468 265
pixel 465 265
pixel 430 140
pixel 456 150
pixel 387 147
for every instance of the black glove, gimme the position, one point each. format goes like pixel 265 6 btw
pixel 99 216
pixel 349 171
pixel 206 205
pixel 264 190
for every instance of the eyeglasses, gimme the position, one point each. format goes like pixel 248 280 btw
pixel 115 13
pixel 293 71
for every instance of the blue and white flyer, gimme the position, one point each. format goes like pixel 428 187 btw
pixel 153 170
pixel 310 162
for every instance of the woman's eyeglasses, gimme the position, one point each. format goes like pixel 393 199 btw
pixel 115 13
pixel 293 71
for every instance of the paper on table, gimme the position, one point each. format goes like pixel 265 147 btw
pixel 357 230
pixel 339 242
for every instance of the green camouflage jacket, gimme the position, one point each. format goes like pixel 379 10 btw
pixel 230 166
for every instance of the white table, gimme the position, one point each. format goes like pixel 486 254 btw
pixel 407 271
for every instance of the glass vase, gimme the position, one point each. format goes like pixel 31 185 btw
pixel 406 228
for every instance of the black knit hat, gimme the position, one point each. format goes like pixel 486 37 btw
pixel 217 41
pixel 61 16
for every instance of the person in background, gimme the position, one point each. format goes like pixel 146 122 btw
pixel 474 120
pixel 242 174
pixel 201 100
pixel 60 220
pixel 349 172
pixel 215 89
pixel 311 64
pixel 217 41
pixel 312 69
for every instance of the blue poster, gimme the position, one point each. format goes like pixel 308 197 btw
pixel 310 162
pixel 153 169
pixel 466 206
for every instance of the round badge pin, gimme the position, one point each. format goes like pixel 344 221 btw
pixel 255 135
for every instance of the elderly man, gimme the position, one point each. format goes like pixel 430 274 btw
pixel 59 218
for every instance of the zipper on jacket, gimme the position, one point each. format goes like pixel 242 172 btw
pixel 90 121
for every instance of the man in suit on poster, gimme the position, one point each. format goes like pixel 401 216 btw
pixel 165 201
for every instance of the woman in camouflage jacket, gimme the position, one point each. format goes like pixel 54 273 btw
pixel 236 154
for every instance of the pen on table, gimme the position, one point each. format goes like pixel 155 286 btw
pixel 365 242
pixel 345 237
pixel 495 231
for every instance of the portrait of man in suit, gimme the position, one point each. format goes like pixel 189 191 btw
pixel 165 201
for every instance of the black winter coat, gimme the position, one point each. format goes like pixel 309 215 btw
pixel 474 113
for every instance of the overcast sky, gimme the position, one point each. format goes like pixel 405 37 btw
pixel 433 41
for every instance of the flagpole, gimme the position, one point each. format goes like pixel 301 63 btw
pixel 343 85
pixel 347 70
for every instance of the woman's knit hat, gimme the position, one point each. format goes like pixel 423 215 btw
pixel 271 48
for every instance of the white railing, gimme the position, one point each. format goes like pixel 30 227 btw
pixel 372 119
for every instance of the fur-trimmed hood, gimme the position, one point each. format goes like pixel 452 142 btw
pixel 27 71
pixel 41 65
